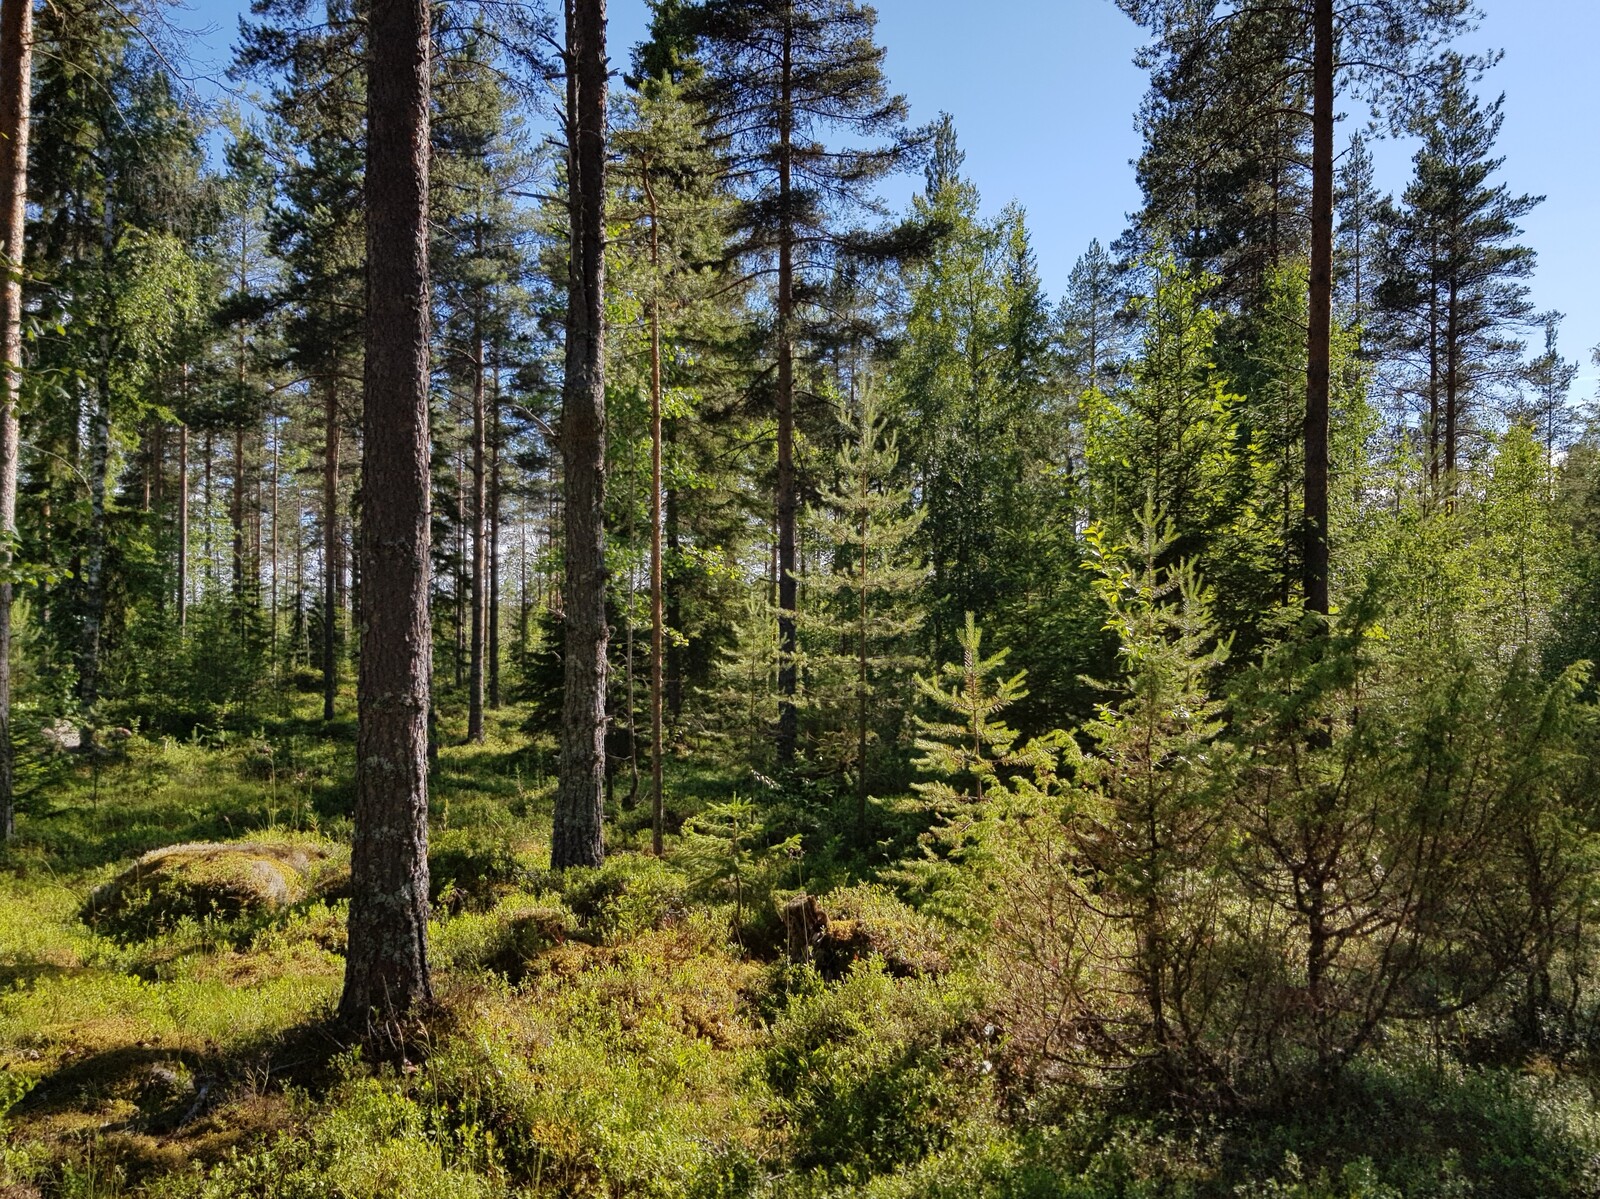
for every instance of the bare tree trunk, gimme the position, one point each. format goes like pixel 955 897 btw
pixel 480 539
pixel 277 446
pixel 386 965
pixel 576 838
pixel 1320 314
pixel 461 570
pixel 16 84
pixel 330 548
pixel 94 565
pixel 1452 387
pixel 236 510
pixel 657 611
pixel 1434 423
pixel 183 518
pixel 494 543
pixel 674 607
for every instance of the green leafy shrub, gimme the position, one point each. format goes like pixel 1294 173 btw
pixel 469 870
pixel 369 1142
pixel 875 1072
pixel 869 920
pixel 630 894
pixel 505 939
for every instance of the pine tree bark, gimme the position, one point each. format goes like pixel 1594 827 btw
pixel 1320 314
pixel 16 76
pixel 576 838
pixel 386 965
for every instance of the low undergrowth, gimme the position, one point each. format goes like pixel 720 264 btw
pixel 624 1032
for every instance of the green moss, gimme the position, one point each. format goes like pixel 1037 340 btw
pixel 212 880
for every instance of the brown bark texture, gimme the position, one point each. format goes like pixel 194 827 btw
pixel 576 838
pixel 386 965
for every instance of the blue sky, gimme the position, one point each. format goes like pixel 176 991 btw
pixel 1044 94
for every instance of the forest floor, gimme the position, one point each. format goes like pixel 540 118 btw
pixel 602 1033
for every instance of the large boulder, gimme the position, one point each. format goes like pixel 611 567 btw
pixel 223 880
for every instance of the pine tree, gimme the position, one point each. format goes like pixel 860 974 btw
pixel 314 106
pixel 1454 282
pixel 1251 69
pixel 1356 245
pixel 781 75
pixel 577 836
pixel 386 967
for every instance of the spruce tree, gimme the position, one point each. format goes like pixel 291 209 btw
pixel 865 598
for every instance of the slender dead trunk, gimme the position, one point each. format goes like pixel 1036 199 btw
pixel 183 519
pixel 277 444
pixel 1320 310
pixel 657 612
pixel 1435 425
pixel 236 510
pixel 1452 386
pixel 674 605
pixel 330 548
pixel 94 564
pixel 480 530
pixel 461 571
pixel 386 965
pixel 863 546
pixel 207 550
pixel 16 86
pixel 577 838
pixel 494 542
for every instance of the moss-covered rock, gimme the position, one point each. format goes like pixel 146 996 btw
pixel 201 880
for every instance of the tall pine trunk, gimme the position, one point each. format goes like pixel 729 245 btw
pixel 386 965
pixel 1320 309
pixel 16 81
pixel 576 838
pixel 788 488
